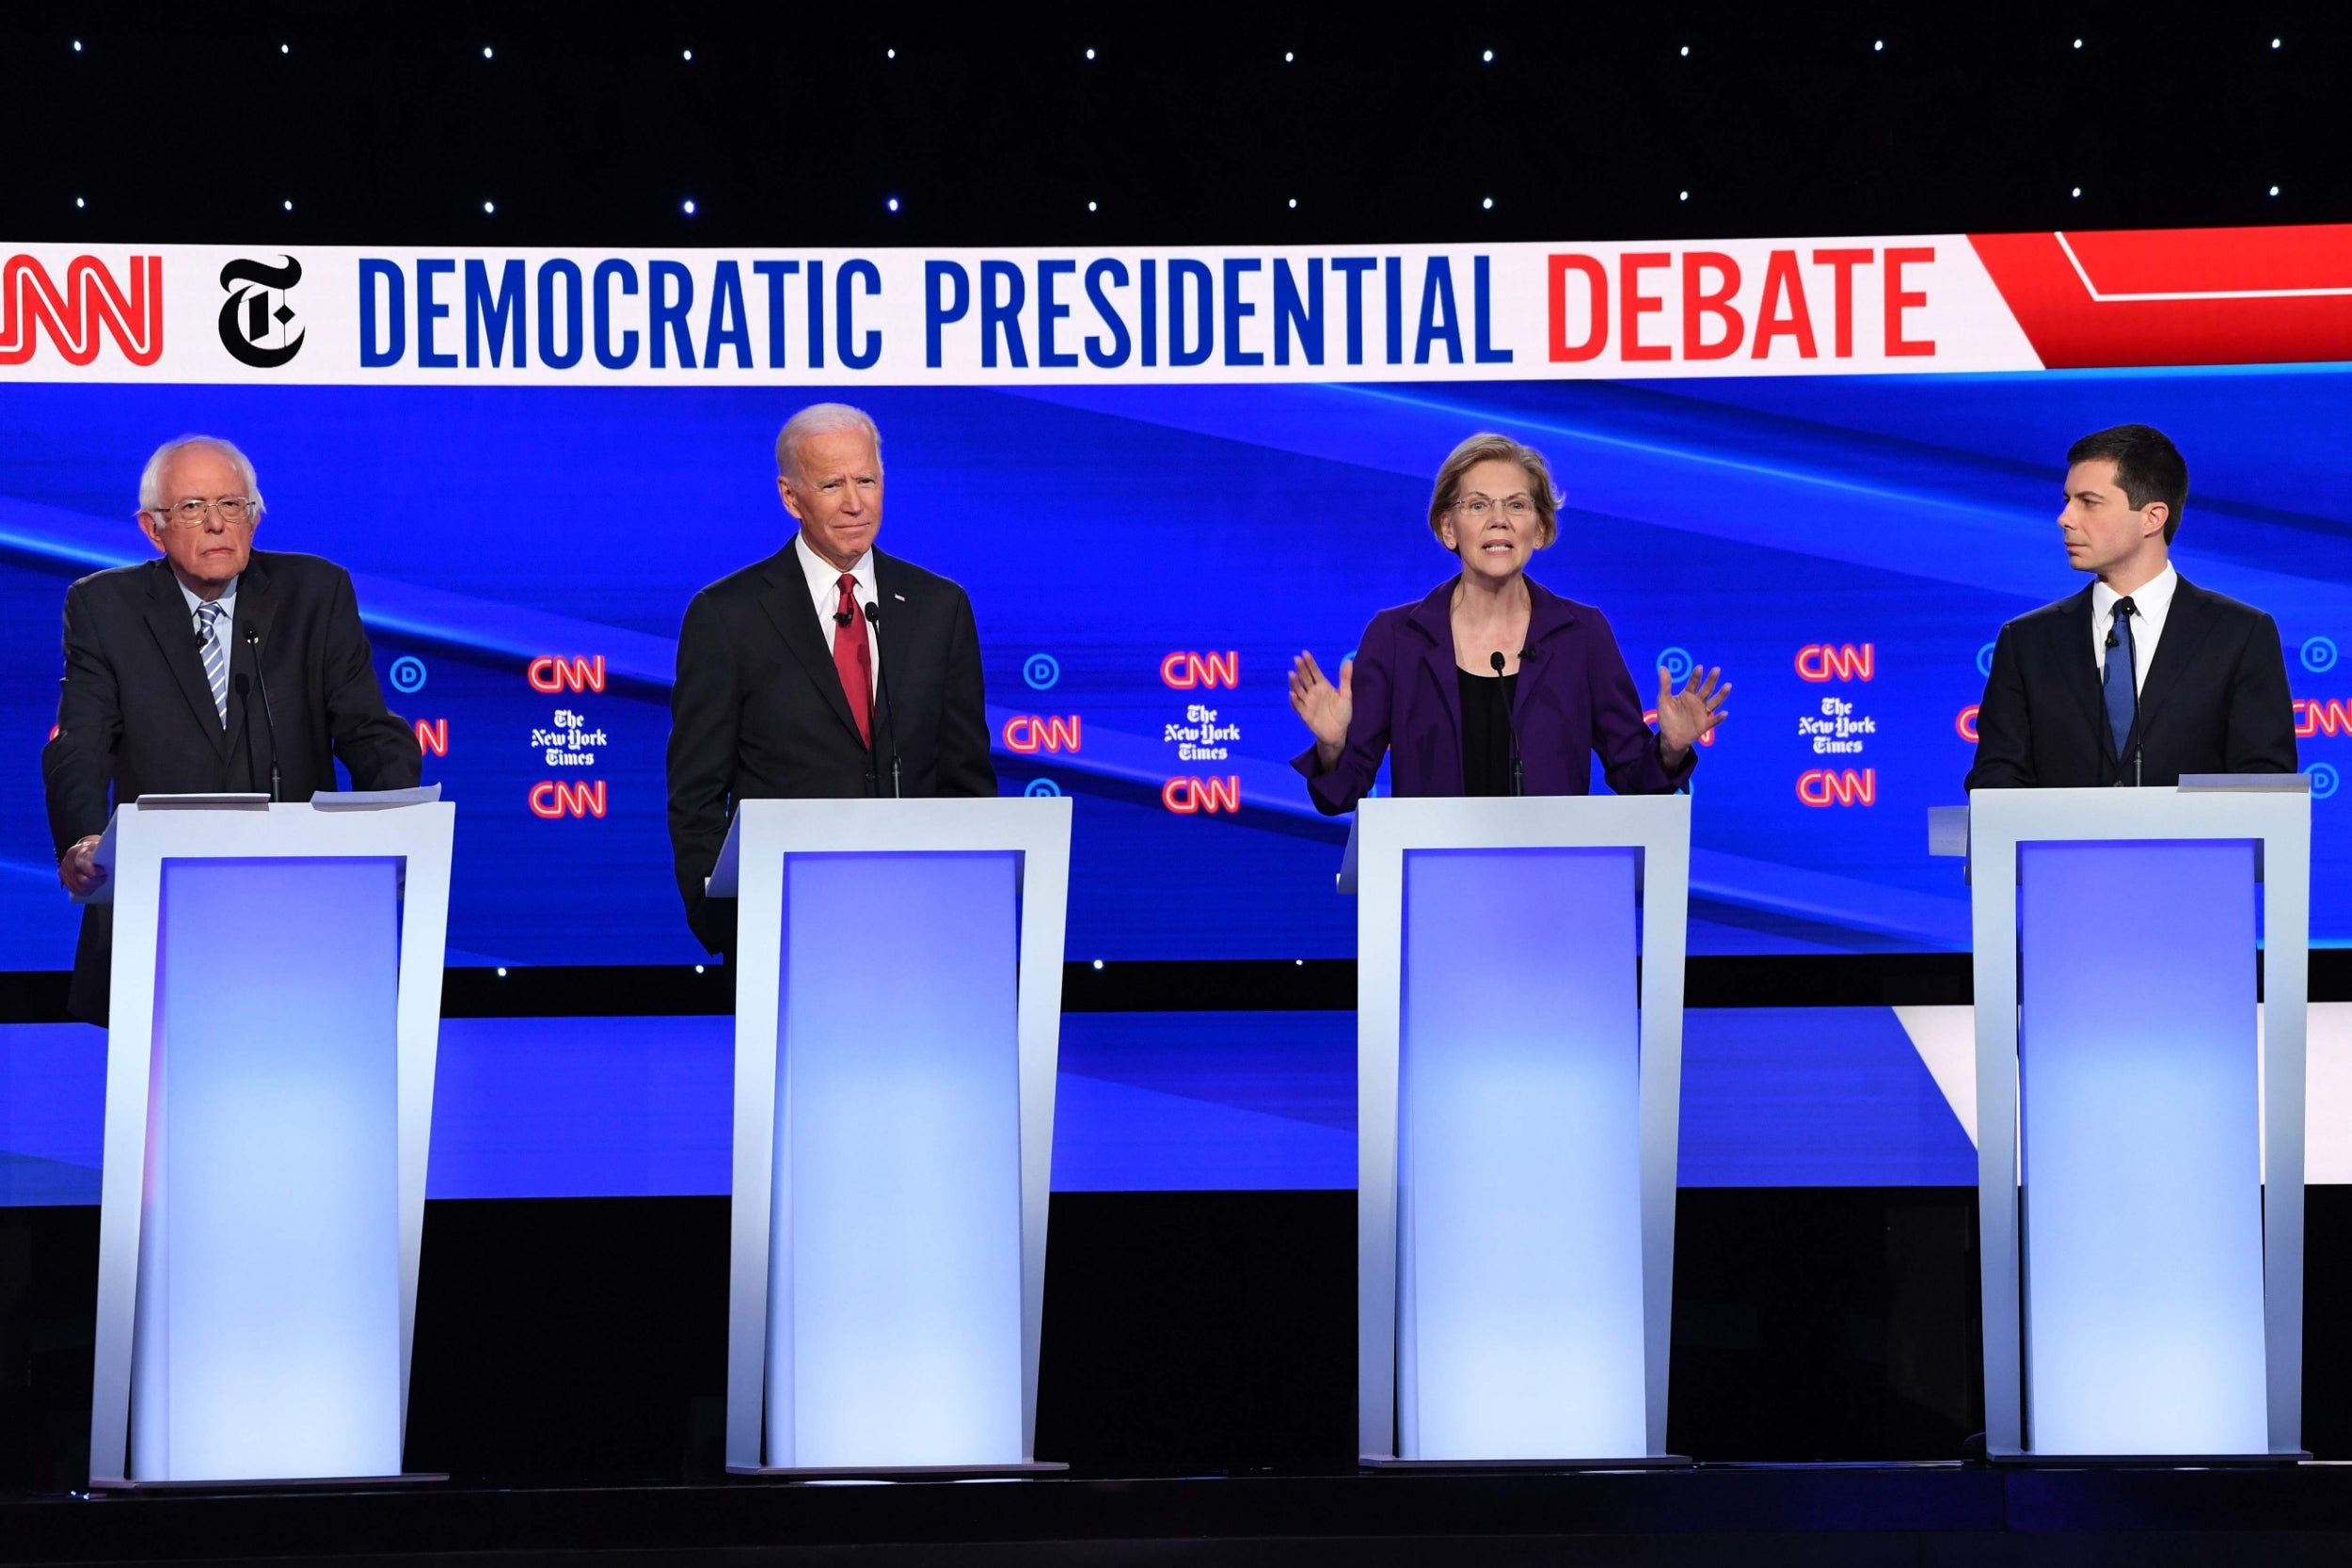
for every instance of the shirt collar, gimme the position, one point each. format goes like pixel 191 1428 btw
pixel 2149 603
pixel 228 600
pixel 824 578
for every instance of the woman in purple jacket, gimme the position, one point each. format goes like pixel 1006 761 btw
pixel 1494 685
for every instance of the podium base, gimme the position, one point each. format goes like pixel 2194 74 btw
pixel 267 1483
pixel 899 1472
pixel 1644 1462
pixel 2022 1460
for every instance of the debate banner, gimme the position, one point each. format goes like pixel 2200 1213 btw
pixel 1828 466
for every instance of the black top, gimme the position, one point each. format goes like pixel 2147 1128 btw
pixel 1486 732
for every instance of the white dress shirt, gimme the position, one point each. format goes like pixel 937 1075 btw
pixel 2150 605
pixel 824 590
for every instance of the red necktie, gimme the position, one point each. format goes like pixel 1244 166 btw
pixel 853 660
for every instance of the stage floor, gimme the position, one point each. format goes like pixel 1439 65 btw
pixel 1941 1514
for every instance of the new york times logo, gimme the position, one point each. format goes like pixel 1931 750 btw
pixel 255 318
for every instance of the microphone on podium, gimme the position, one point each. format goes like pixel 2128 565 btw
pixel 890 709
pixel 1510 725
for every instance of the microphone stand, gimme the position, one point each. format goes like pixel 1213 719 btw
pixel 1510 725
pixel 890 709
pixel 269 720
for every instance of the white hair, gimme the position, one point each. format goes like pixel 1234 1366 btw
pixel 821 419
pixel 151 497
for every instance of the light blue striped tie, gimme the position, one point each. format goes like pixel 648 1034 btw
pixel 215 657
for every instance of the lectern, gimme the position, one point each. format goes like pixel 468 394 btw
pixel 275 1010
pixel 2140 1121
pixel 1519 1071
pixel 898 1013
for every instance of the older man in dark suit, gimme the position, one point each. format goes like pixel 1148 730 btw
pixel 217 668
pixel 2141 676
pixel 827 670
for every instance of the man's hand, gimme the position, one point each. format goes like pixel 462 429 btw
pixel 1685 715
pixel 78 869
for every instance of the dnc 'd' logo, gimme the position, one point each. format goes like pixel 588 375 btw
pixel 256 320
pixel 73 316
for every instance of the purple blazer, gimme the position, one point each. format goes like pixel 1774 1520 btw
pixel 1575 697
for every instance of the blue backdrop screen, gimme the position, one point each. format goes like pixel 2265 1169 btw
pixel 1145 560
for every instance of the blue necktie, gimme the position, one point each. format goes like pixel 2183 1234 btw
pixel 2123 700
pixel 215 657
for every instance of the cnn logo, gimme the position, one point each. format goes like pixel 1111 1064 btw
pixel 552 674
pixel 1819 662
pixel 1189 672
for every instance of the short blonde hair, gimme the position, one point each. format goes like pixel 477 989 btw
pixel 1488 447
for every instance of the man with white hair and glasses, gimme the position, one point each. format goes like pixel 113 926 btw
pixel 828 670
pixel 217 668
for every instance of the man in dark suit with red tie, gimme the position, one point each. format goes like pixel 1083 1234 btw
pixel 218 668
pixel 2142 677
pixel 827 670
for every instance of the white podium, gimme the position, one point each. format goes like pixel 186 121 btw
pixel 898 1016
pixel 276 1009
pixel 2140 1121
pixel 1520 1069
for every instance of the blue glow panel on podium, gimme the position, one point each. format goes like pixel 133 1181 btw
pixel 1520 1323
pixel 896 1233
pixel 2142 1192
pixel 269 1320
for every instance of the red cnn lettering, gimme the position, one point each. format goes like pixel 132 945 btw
pixel 1843 788
pixel 1652 718
pixel 1185 671
pixel 551 800
pixel 1596 327
pixel 1026 733
pixel 1188 796
pixel 73 315
pixel 1966 723
pixel 1819 661
pixel 2330 718
pixel 1700 302
pixel 1632 304
pixel 1784 285
pixel 433 736
pixel 561 674
pixel 1898 301
pixel 1841 264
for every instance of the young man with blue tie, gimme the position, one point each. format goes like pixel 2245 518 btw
pixel 2142 677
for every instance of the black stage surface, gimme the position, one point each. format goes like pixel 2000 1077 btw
pixel 1919 1515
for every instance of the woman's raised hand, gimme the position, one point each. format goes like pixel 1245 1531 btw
pixel 1326 708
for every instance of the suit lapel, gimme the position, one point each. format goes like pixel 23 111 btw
pixel 1434 619
pixel 894 632
pixel 256 609
pixel 2185 625
pixel 2081 668
pixel 788 605
pixel 1547 614
pixel 174 629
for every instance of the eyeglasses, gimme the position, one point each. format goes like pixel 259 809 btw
pixel 236 511
pixel 1477 508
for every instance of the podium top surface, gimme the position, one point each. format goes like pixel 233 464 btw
pixel 1512 822
pixel 1018 824
pixel 359 822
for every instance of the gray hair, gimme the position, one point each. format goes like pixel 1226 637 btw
pixel 151 497
pixel 821 419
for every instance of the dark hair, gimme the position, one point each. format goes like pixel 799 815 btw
pixel 2147 465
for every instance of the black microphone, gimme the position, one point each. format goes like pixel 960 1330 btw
pixel 269 718
pixel 1510 724
pixel 841 617
pixel 890 709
